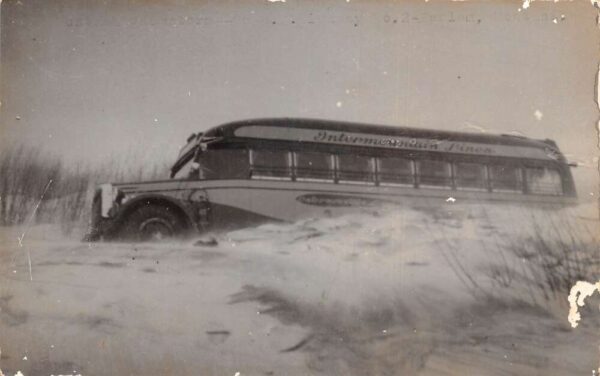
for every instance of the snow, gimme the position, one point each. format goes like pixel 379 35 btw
pixel 379 292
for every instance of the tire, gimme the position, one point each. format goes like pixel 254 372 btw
pixel 151 223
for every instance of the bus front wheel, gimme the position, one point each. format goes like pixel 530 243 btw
pixel 152 223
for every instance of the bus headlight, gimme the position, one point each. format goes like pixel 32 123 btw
pixel 108 195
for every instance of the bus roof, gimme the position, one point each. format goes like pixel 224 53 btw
pixel 360 134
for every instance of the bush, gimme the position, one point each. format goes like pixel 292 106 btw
pixel 538 262
pixel 556 255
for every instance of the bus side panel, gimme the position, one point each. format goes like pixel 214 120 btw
pixel 290 201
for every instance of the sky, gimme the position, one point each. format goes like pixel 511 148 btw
pixel 94 81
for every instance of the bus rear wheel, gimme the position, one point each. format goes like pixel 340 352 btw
pixel 152 223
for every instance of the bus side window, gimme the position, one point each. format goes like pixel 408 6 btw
pixel 353 167
pixel 395 171
pixel 270 163
pixel 224 164
pixel 313 165
pixel 470 176
pixel 543 181
pixel 505 178
pixel 434 173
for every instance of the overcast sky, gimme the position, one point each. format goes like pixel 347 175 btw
pixel 91 80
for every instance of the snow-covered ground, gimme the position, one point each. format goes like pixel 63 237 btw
pixel 387 293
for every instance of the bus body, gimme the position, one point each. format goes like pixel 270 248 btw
pixel 247 172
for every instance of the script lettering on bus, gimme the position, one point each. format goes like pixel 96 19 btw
pixel 331 200
pixel 469 149
pixel 402 143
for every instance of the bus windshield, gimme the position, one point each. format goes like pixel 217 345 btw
pixel 181 167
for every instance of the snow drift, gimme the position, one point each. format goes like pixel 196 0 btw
pixel 455 290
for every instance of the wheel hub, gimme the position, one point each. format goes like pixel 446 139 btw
pixel 155 229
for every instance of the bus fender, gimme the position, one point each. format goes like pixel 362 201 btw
pixel 185 212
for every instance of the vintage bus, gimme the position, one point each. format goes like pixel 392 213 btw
pixel 248 172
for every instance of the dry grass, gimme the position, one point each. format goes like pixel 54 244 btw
pixel 554 256
pixel 539 265
pixel 39 188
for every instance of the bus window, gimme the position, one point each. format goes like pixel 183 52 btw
pixel 434 173
pixel 505 178
pixel 353 167
pixel 270 163
pixel 469 175
pixel 224 164
pixel 543 181
pixel 395 170
pixel 313 165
